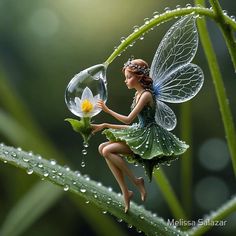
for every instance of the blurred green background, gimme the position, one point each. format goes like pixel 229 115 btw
pixel 43 44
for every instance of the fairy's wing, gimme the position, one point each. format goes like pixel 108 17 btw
pixel 181 85
pixel 177 48
pixel 164 116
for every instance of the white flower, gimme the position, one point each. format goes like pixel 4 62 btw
pixel 87 105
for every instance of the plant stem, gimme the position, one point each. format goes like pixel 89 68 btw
pixel 160 19
pixel 82 186
pixel 186 159
pixel 225 210
pixel 169 195
pixel 219 88
pixel 226 30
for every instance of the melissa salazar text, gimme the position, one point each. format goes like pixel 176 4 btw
pixel 199 222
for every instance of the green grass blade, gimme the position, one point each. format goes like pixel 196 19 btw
pixel 87 189
pixel 186 159
pixel 104 225
pixel 24 132
pixel 225 210
pixel 29 208
pixel 169 195
pixel 219 88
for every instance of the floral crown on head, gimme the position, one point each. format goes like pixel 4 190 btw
pixel 143 69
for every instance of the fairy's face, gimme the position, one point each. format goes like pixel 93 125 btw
pixel 131 79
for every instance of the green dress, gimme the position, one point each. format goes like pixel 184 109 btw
pixel 151 144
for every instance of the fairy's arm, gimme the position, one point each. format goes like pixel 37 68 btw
pixel 145 98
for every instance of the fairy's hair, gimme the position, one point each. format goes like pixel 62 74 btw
pixel 141 69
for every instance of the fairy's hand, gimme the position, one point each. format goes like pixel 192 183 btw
pixel 103 106
pixel 97 127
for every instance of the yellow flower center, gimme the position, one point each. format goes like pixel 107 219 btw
pixel 86 106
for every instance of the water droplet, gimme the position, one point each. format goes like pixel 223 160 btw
pixel 85 145
pixel 141 217
pixel 5 161
pixel 155 14
pixel 84 152
pixel 83 190
pixel 122 39
pixel 74 182
pixel 53 162
pixel 110 189
pixel 40 165
pixel 233 18
pixel 225 12
pixel 130 226
pixel 119 220
pixel 87 178
pixel 146 21
pixel 87 202
pixel 167 9
pixel 66 187
pixel 30 171
pixel 135 28
pixel 188 5
pixel 30 153
pixel 39 157
pixel 77 173
pixel 19 149
pixel 6 152
pixel 13 154
pixel 104 212
pixel 25 159
pixel 93 78
pixel 45 174
pixel 95 196
pixel 83 164
pixel 178 7
pixel 141 37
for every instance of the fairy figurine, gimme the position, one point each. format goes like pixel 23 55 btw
pixel 171 78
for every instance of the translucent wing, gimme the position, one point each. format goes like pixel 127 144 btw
pixel 164 116
pixel 177 48
pixel 180 85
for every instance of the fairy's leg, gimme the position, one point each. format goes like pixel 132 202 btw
pixel 111 152
pixel 119 176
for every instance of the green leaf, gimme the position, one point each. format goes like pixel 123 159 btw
pixel 82 126
pixel 90 190
pixel 76 124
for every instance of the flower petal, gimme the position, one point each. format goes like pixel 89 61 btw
pixel 87 94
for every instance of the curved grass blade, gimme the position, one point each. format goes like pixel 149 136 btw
pixel 169 195
pixel 223 101
pixel 18 133
pixel 225 210
pixel 87 189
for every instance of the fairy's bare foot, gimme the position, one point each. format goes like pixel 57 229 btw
pixel 127 198
pixel 141 188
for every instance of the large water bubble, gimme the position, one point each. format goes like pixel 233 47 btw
pixel 85 89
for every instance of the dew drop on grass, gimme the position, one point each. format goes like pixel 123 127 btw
pixel 25 159
pixel 66 187
pixel 135 28
pixel 30 171
pixel 45 174
pixel 104 212
pixel 87 202
pixel 53 162
pixel 83 190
